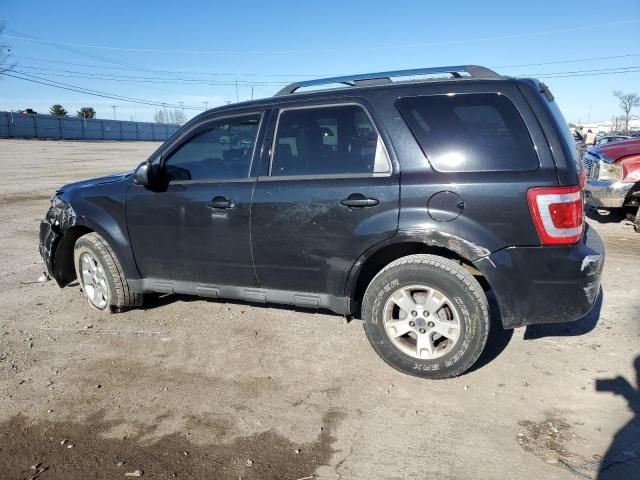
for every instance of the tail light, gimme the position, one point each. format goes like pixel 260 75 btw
pixel 558 213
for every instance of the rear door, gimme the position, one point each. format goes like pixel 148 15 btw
pixel 328 193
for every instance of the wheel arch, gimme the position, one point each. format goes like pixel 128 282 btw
pixel 64 269
pixel 374 260
pixel 63 266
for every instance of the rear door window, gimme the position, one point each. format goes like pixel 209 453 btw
pixel 327 140
pixel 470 132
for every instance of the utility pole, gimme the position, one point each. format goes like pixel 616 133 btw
pixel 206 106
pixel 182 107
pixel 114 111
pixel 251 92
pixel 237 100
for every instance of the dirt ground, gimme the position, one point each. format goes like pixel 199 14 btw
pixel 194 388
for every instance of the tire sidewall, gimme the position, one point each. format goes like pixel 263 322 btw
pixel 472 313
pixel 81 247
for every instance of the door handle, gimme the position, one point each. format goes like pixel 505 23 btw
pixel 221 202
pixel 359 200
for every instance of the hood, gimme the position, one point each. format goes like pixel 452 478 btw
pixel 94 181
pixel 616 150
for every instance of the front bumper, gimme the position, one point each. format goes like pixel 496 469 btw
pixel 546 284
pixel 602 194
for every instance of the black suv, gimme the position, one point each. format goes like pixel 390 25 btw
pixel 401 197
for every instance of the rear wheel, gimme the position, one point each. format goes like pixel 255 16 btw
pixel 101 276
pixel 426 316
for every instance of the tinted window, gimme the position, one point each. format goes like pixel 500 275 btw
pixel 222 151
pixel 470 132
pixel 326 141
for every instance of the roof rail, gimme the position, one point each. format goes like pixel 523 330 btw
pixel 382 78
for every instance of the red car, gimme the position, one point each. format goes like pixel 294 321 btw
pixel 613 176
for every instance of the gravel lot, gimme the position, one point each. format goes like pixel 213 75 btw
pixel 193 388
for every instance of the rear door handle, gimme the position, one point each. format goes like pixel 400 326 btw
pixel 221 202
pixel 359 200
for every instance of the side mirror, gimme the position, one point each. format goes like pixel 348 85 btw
pixel 142 174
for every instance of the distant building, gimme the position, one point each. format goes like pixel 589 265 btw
pixel 605 127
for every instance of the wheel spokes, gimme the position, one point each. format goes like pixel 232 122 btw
pixel 94 281
pixel 424 345
pixel 405 301
pixel 421 321
pixel 398 328
pixel 435 301
pixel 446 328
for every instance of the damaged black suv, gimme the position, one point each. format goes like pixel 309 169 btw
pixel 400 197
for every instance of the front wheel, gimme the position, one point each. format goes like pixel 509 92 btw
pixel 426 316
pixel 101 276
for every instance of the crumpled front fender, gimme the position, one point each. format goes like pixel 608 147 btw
pixel 49 240
pixel 59 219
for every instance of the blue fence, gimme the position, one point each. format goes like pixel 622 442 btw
pixel 19 125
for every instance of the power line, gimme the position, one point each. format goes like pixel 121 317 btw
pixel 106 76
pixel 23 36
pixel 187 81
pixel 608 69
pixel 575 60
pixel 74 88
pixel 133 78
pixel 297 75
pixel 588 74
pixel 95 93
pixel 179 72
pixel 251 84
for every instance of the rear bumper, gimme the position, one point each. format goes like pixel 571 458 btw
pixel 545 284
pixel 601 194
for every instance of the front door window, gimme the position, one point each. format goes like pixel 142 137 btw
pixel 223 151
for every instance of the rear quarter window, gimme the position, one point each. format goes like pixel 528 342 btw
pixel 470 132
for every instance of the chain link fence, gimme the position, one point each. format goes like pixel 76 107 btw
pixel 20 125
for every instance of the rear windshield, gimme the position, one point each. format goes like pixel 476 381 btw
pixel 470 132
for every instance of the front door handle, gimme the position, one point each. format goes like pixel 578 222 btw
pixel 221 202
pixel 359 200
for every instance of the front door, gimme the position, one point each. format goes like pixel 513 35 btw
pixel 330 194
pixel 196 228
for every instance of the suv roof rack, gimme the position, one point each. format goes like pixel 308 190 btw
pixel 383 78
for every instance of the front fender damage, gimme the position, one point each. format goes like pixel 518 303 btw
pixel 59 219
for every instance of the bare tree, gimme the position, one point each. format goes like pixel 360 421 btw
pixel 5 53
pixel 159 116
pixel 628 101
pixel 617 123
pixel 175 116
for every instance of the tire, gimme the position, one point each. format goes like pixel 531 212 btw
pixel 111 291
pixel 466 305
pixel 636 222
